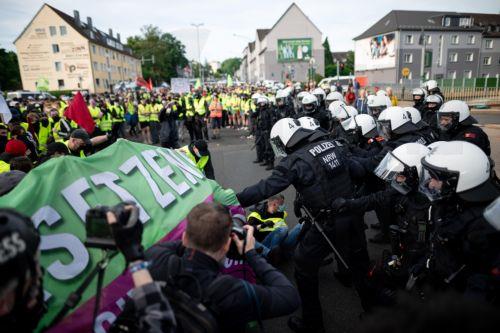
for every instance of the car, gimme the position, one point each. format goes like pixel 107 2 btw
pixel 24 94
pixel 327 82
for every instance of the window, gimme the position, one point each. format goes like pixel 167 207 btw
pixel 62 30
pixel 487 61
pixel 488 43
pixel 97 82
pixel 408 58
pixel 409 39
pixel 447 21
pixel 468 74
pixel 452 74
pixel 454 39
pixel 95 65
pixel 53 30
pixel 471 39
pixel 453 57
pixel 57 64
pixel 93 49
pixel 427 75
pixel 55 48
pixel 465 22
pixel 427 39
pixel 469 57
pixel 60 83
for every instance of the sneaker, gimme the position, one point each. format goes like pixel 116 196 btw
pixel 296 324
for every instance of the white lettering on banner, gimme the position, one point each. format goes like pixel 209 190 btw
pixel 66 241
pixel 108 179
pixel 174 158
pixel 102 318
pixel 321 148
pixel 165 172
pixel 73 195
pixel 163 199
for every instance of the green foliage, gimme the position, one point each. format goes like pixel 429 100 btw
pixel 318 77
pixel 346 69
pixel 169 53
pixel 9 71
pixel 59 93
pixel 229 66
pixel 328 54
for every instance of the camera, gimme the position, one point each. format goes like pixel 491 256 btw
pixel 99 231
pixel 237 228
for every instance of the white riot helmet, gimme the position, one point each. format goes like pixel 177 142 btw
pixel 377 104
pixel 320 94
pixel 402 166
pixel 492 214
pixel 255 97
pixel 457 167
pixel 309 123
pixel 286 133
pixel 334 96
pixel 364 124
pixel 301 95
pixel 338 110
pixel 430 85
pixel 394 120
pixel 452 114
pixel 416 117
pixel 282 96
pixel 262 101
pixel 433 102
pixel 309 103
pixel 418 94
pixel 435 144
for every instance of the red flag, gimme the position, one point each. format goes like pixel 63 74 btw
pixel 143 83
pixel 150 85
pixel 79 112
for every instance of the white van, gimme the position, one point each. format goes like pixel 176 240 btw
pixel 24 94
pixel 327 82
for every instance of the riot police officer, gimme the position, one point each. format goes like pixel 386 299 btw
pixel 339 112
pixel 419 95
pixel 423 128
pixel 310 108
pixel 314 165
pixel 456 123
pixel 284 105
pixel 264 120
pixel 432 104
pixel 457 177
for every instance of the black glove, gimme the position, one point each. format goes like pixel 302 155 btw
pixel 127 232
pixel 267 225
pixel 340 205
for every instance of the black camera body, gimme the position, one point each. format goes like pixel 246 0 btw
pixel 99 231
pixel 237 228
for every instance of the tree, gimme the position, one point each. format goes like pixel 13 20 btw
pixel 328 53
pixel 230 66
pixel 9 71
pixel 169 53
pixel 349 64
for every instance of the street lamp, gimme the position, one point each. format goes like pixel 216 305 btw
pixel 197 26
pixel 312 61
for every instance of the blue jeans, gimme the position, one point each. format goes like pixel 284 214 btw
pixel 280 237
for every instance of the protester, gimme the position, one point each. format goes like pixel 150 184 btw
pixel 216 116
pixel 199 154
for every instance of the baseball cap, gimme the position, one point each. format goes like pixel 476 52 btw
pixel 81 134
pixel 15 147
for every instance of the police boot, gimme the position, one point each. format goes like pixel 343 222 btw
pixel 257 161
pixel 270 166
pixel 296 324
pixel 263 163
pixel 380 238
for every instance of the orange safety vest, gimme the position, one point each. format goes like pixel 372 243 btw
pixel 215 109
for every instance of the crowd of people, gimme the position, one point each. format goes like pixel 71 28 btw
pixel 425 170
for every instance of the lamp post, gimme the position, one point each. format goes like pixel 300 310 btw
pixel 197 26
pixel 312 61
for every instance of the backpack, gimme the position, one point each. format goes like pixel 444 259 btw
pixel 193 313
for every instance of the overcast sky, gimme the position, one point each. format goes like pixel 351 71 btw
pixel 340 21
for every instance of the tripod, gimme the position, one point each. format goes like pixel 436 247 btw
pixel 75 297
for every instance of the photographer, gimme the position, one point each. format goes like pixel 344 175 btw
pixel 21 294
pixel 152 307
pixel 205 242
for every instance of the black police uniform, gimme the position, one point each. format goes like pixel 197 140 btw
pixel 319 114
pixel 284 111
pixel 469 133
pixel 265 121
pixel 429 116
pixel 320 173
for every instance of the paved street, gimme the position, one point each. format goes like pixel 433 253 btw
pixel 233 165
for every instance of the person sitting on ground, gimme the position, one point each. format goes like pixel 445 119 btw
pixel 271 230
pixel 21 163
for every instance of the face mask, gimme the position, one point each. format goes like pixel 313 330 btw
pixel 281 208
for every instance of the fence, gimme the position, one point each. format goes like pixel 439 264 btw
pixel 474 91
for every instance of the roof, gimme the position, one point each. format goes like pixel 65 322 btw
pixel 261 33
pixel 98 37
pixel 288 9
pixel 251 46
pixel 428 20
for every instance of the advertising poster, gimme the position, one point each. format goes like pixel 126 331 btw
pixel 376 53
pixel 296 49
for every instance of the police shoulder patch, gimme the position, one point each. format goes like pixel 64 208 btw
pixel 469 135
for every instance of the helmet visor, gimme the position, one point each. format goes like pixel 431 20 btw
pixel 389 167
pixel 309 108
pixel 492 214
pixel 437 183
pixel 384 129
pixel 278 147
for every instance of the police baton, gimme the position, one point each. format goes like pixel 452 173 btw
pixel 322 232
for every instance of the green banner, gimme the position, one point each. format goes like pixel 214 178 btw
pixel 164 183
pixel 295 49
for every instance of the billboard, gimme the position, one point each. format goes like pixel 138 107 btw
pixel 376 52
pixel 294 49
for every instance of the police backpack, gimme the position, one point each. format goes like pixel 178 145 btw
pixel 193 313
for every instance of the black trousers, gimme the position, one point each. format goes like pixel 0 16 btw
pixel 347 234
